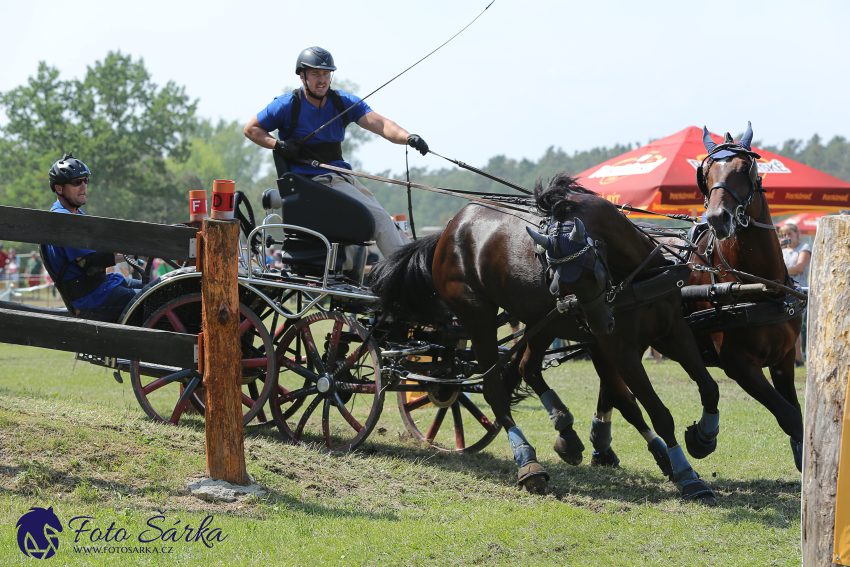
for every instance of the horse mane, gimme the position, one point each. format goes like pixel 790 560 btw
pixel 554 198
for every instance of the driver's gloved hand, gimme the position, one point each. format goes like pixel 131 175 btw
pixel 287 148
pixel 417 144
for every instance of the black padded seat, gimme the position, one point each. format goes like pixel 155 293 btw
pixel 336 216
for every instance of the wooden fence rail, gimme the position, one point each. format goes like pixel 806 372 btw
pixel 98 233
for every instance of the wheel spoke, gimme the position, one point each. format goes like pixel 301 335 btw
pixel 297 368
pixel 417 403
pixel 247 401
pixel 352 358
pixel 347 414
pixel 255 362
pixel 244 326
pixel 476 413
pixel 305 416
pixel 435 427
pixel 334 343
pixel 175 321
pixel 184 399
pixel 165 380
pixel 357 388
pixel 255 394
pixel 326 424
pixel 312 351
pixel 295 394
pixel 460 442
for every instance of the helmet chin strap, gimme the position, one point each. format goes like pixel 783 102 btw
pixel 312 94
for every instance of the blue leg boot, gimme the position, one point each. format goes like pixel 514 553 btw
pixel 600 437
pixel 688 481
pixel 658 449
pixel 531 474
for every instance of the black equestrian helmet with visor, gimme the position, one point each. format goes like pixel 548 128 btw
pixel 314 58
pixel 66 170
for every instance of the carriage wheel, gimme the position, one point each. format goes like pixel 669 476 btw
pixel 469 430
pixel 165 396
pixel 329 381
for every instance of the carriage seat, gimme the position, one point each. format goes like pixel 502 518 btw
pixel 336 216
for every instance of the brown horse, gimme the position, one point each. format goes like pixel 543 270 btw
pixel 743 237
pixel 483 261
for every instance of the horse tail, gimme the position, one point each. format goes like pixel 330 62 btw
pixel 555 198
pixel 513 382
pixel 404 284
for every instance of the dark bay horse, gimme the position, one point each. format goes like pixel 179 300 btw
pixel 483 261
pixel 742 237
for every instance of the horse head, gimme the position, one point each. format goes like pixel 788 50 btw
pixel 728 178
pixel 579 269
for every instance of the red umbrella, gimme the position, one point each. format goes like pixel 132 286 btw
pixel 806 222
pixel 661 177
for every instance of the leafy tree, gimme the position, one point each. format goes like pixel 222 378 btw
pixel 218 151
pixel 117 120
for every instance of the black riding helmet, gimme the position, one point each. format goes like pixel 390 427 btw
pixel 66 169
pixel 314 58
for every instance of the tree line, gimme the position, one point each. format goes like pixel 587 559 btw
pixel 147 148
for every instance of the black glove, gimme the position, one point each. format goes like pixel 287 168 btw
pixel 287 148
pixel 417 144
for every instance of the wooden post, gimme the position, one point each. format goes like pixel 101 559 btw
pixel 222 353
pixel 826 388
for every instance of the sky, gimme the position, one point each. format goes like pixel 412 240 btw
pixel 525 76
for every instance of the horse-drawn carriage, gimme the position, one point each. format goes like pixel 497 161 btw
pixel 321 347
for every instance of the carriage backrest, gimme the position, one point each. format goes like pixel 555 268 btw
pixel 315 206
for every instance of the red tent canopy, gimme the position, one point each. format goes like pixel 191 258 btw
pixel 661 177
pixel 806 222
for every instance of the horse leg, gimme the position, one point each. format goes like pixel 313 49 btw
pixel 568 446
pixel 700 438
pixel 628 365
pixel 613 393
pixel 479 318
pixel 782 375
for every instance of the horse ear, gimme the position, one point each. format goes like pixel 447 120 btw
pixel 706 139
pixel 727 138
pixel 538 238
pixel 747 139
pixel 578 234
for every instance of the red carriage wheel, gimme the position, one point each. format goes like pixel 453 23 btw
pixel 464 429
pixel 329 388
pixel 165 392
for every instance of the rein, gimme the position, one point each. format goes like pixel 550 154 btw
pixel 452 192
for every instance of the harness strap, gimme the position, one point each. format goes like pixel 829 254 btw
pixel 336 100
pixel 625 283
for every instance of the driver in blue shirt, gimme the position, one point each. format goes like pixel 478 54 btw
pixel 297 114
pixel 80 273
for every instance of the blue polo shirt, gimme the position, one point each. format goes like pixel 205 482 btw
pixel 57 256
pixel 277 116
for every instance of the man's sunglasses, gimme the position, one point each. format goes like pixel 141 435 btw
pixel 78 182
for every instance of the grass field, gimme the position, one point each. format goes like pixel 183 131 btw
pixel 72 438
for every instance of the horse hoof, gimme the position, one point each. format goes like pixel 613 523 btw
pixel 570 449
pixel 797 449
pixel 533 478
pixel 607 459
pixel 698 492
pixel 698 447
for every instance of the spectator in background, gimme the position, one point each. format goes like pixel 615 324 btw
pixel 33 273
pixel 4 259
pixel 797 256
pixel 12 266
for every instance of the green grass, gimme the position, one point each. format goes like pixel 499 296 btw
pixel 73 438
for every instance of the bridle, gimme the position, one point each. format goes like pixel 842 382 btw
pixel 740 216
pixel 608 292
